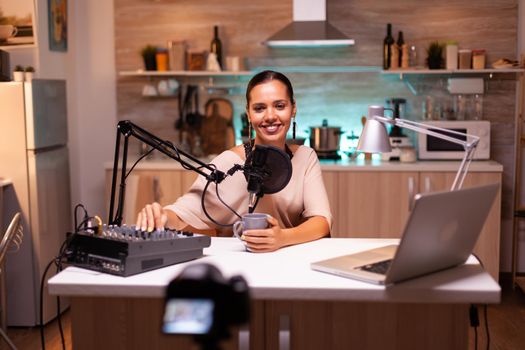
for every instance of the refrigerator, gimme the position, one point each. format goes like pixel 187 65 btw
pixel 34 155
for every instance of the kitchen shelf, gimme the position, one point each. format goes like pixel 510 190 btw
pixel 323 69
pixel 200 73
pixel 283 69
pixel 402 72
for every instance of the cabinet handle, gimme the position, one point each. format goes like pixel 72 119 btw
pixel 157 192
pixel 244 338
pixel 411 186
pixel 428 185
pixel 284 332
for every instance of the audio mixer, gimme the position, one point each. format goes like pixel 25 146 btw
pixel 126 251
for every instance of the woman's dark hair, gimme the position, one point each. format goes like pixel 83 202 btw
pixel 266 76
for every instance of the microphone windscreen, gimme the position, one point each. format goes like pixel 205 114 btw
pixel 278 166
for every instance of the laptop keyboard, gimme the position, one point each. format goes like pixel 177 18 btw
pixel 380 267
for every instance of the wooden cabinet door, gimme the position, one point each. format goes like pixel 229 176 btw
pixel 487 247
pixel 147 186
pixel 374 204
pixel 331 183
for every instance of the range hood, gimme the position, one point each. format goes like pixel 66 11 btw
pixel 309 28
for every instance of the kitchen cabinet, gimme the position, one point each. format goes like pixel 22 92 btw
pixel 147 186
pixel 373 203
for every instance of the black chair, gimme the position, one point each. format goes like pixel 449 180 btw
pixel 11 242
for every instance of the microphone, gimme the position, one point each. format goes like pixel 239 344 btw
pixel 267 170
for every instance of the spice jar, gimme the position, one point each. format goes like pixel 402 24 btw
pixel 478 59
pixel 465 58
pixel 162 59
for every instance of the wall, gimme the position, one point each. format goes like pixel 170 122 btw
pixel 340 97
pixel 92 111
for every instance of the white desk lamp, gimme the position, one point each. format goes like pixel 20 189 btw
pixel 374 138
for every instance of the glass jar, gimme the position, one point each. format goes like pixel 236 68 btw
pixel 478 59
pixel 477 107
pixel 465 59
pixel 162 59
pixel 460 107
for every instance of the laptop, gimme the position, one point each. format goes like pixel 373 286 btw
pixel 440 233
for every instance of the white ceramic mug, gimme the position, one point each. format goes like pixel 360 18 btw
pixel 253 221
pixel 7 31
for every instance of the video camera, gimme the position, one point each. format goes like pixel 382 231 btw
pixel 201 302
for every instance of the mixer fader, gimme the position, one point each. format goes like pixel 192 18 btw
pixel 125 251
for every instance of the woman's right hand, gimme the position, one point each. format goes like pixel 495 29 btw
pixel 152 216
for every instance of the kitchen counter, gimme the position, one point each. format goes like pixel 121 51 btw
pixel 345 165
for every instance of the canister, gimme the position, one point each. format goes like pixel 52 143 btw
pixel 162 59
pixel 478 59
pixel 465 59
pixel 452 55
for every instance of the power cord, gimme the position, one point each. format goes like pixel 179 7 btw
pixel 58 263
pixel 485 314
pixel 474 322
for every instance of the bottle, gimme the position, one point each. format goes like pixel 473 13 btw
pixel 394 57
pixel 400 44
pixel 216 45
pixel 387 46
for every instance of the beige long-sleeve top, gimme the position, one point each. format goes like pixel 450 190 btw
pixel 304 196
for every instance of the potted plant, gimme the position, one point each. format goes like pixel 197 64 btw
pixel 435 55
pixel 148 55
pixel 29 71
pixel 18 73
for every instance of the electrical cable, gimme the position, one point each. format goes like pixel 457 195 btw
pixel 475 338
pixel 58 262
pixel 225 204
pixel 474 322
pixel 42 337
pixel 204 207
pixel 485 314
pixel 137 162
pixel 59 314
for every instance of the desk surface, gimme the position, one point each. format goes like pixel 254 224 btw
pixel 286 274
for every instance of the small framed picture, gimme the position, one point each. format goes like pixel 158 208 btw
pixel 57 20
pixel 16 22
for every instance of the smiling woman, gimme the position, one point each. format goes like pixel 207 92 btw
pixel 298 213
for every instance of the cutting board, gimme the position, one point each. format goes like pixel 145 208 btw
pixel 217 133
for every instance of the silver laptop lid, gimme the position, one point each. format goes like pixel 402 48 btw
pixel 441 231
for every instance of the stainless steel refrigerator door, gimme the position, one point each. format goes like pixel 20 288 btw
pixel 46 113
pixel 50 219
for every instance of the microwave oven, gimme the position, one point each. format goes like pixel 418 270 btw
pixel 430 147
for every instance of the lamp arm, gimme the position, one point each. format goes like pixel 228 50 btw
pixel 429 130
pixel 468 146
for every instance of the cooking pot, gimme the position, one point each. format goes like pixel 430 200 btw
pixel 325 138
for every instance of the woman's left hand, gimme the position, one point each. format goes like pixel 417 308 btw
pixel 265 240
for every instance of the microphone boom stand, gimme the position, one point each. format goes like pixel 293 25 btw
pixel 127 129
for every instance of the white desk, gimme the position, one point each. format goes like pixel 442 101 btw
pixel 324 310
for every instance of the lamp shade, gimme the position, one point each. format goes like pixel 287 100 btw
pixel 374 138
